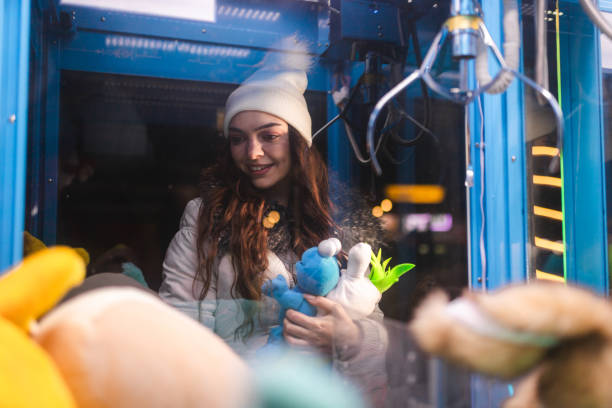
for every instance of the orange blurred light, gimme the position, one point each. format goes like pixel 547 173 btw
pixel 415 193
pixel 386 205
pixel 377 211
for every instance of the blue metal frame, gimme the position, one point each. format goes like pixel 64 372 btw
pixel 477 274
pixel 505 235
pixel 228 30
pixel 584 170
pixel 14 58
pixel 43 132
pixel 131 54
pixel 505 194
pixel 123 43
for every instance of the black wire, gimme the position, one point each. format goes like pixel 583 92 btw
pixel 349 126
pixel 424 91
pixel 341 114
pixel 389 132
pixel 392 159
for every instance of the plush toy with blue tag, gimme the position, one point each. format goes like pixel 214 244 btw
pixel 317 274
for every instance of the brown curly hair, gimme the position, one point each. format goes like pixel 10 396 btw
pixel 235 206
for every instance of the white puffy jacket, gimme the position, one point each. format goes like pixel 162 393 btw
pixel 222 312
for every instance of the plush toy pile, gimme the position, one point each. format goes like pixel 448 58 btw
pixel 113 347
pixel 559 338
pixel 124 347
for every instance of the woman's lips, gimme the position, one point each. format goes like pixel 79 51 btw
pixel 259 170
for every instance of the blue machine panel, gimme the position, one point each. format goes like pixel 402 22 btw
pixel 14 58
pixel 584 170
pixel 374 21
pixel 226 51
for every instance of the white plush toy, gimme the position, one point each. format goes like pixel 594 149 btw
pixel 355 291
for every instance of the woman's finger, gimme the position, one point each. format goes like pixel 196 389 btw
pixel 294 330
pixel 326 305
pixel 297 342
pixel 300 319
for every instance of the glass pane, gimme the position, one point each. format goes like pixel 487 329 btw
pixel 128 109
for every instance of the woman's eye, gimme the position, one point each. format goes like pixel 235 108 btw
pixel 236 140
pixel 269 137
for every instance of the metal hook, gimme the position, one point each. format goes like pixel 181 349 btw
pixel 462 97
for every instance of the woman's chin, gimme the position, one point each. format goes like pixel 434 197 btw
pixel 274 188
pixel 262 184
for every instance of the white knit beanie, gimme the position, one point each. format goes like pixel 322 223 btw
pixel 276 88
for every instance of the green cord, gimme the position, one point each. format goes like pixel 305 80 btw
pixel 558 42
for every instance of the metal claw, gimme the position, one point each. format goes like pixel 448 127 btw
pixel 462 98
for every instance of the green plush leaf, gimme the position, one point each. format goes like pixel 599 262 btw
pixel 372 258
pixel 376 271
pixel 384 284
pixel 391 277
pixel 399 270
pixel 384 265
pixel 382 277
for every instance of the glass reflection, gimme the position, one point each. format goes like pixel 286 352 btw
pixel 126 115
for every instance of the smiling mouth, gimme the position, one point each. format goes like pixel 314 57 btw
pixel 259 170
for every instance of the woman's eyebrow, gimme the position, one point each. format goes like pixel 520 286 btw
pixel 258 128
pixel 267 125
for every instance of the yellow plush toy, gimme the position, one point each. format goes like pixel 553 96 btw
pixel 28 376
pixel 31 244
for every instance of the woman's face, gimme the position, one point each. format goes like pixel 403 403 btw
pixel 259 144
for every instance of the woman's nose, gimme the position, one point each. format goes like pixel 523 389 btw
pixel 255 149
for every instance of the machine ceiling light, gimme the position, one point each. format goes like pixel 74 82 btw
pixel 122 41
pixel 186 9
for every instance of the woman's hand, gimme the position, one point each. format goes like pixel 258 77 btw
pixel 333 328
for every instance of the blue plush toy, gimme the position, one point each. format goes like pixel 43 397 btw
pixel 317 274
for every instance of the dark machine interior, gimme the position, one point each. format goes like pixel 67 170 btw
pixel 131 151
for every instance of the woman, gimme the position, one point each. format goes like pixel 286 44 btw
pixel 264 204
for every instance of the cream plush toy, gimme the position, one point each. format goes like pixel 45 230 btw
pixel 355 291
pixel 558 337
pixel 122 347
pixel 114 347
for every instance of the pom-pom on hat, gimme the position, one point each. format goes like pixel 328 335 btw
pixel 277 88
